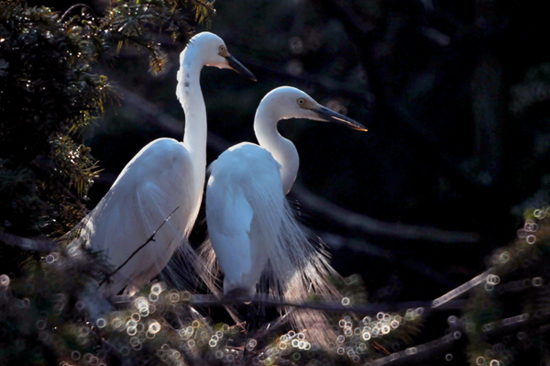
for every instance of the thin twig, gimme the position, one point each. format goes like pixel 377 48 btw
pixel 68 11
pixel 151 238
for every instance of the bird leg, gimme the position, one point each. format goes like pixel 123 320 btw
pixel 263 289
pixel 251 319
pixel 256 311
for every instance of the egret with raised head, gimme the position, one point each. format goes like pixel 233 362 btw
pixel 161 187
pixel 252 228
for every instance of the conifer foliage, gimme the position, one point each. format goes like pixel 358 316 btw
pixel 49 92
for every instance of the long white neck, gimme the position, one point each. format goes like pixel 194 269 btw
pixel 282 149
pixel 190 96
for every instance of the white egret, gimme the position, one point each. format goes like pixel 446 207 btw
pixel 252 228
pixel 164 176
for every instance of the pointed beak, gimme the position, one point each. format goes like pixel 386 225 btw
pixel 330 116
pixel 239 68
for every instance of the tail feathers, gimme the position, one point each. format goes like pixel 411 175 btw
pixel 302 273
pixel 185 270
pixel 212 271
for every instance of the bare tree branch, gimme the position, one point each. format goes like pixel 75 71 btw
pixel 370 225
pixel 397 257
pixel 164 120
pixel 465 287
pixel 350 19
pixel 36 245
pixel 512 325
pixel 213 300
pixel 414 355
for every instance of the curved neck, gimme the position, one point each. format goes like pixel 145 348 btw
pixel 190 96
pixel 282 149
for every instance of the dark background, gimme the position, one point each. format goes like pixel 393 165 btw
pixel 455 97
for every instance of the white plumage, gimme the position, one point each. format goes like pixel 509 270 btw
pixel 252 228
pixel 244 191
pixel 166 175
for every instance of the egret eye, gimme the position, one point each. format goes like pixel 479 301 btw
pixel 301 101
pixel 222 48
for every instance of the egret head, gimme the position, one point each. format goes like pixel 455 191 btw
pixel 288 102
pixel 213 52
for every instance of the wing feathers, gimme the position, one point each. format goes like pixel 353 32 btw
pixel 147 191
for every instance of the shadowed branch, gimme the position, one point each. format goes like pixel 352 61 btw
pixel 370 225
pixel 36 245
pixel 336 307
